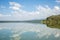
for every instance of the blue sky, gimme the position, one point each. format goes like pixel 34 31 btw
pixel 28 9
pixel 29 5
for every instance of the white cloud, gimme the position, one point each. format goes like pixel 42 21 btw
pixel 1 15
pixel 56 8
pixel 58 1
pixel 47 11
pixel 41 12
pixel 14 5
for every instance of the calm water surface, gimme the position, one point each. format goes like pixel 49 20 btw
pixel 28 31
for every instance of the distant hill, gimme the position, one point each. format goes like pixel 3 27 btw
pixel 28 21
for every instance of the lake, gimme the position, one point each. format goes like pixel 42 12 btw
pixel 28 31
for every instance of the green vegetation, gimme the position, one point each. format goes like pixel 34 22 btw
pixel 53 21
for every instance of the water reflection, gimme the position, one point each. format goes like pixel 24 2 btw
pixel 28 31
pixel 51 37
pixel 29 36
pixel 5 34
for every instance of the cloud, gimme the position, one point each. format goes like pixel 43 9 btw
pixel 14 5
pixel 47 11
pixel 41 12
pixel 1 15
pixel 58 1
pixel 56 8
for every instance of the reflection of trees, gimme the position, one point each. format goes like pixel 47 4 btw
pixel 5 34
pixel 53 26
pixel 29 36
